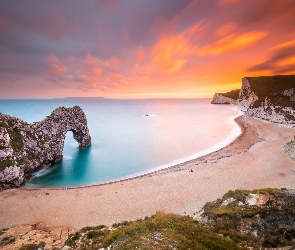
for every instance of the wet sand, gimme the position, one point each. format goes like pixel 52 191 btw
pixel 254 160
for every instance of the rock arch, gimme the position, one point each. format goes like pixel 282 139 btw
pixel 25 148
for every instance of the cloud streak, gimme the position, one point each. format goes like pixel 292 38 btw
pixel 123 47
pixel 232 42
pixel 281 60
pixel 88 73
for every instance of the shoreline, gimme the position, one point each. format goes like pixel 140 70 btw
pixel 225 143
pixel 253 160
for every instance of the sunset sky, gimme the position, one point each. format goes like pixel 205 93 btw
pixel 141 48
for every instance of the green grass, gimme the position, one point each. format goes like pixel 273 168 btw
pixel 269 85
pixel 161 231
pixel 3 231
pixel 29 247
pixel 5 163
pixel 7 240
pixel 14 133
pixel 16 140
pixel 272 88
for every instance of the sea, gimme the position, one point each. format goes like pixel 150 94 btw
pixel 129 137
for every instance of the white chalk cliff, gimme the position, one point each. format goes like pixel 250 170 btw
pixel 221 99
pixel 269 98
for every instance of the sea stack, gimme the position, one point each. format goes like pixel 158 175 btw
pixel 25 148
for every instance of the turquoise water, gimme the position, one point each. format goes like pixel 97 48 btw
pixel 130 137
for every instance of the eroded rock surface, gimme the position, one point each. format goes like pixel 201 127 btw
pixel 230 97
pixel 25 148
pixel 265 215
pixel 289 148
pixel 220 99
pixel 269 98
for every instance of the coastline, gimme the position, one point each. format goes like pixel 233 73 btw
pixel 253 160
pixel 234 134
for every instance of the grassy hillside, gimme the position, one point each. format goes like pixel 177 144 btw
pixel 241 219
pixel 161 231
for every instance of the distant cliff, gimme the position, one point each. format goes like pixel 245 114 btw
pixel 230 97
pixel 269 98
pixel 25 148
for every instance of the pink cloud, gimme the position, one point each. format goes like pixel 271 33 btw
pixel 222 2
pixel 226 29
pixel 87 73
pixel 54 66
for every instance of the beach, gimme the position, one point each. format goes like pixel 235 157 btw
pixel 254 160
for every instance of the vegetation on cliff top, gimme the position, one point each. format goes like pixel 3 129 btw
pixel 161 231
pixel 233 94
pixel 272 87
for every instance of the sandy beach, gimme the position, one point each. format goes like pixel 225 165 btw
pixel 254 160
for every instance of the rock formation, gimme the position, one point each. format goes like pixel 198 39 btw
pixel 230 97
pixel 267 215
pixel 25 148
pixel 289 148
pixel 269 98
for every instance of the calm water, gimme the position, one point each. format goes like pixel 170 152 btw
pixel 126 142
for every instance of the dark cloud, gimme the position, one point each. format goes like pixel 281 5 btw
pixel 278 61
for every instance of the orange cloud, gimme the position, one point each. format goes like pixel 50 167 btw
pixel 232 42
pixel 170 52
pixel 283 45
pixel 288 61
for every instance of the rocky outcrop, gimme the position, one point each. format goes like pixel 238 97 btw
pixel 269 98
pixel 220 99
pixel 289 148
pixel 267 215
pixel 25 148
pixel 230 97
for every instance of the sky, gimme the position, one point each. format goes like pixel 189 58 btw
pixel 141 48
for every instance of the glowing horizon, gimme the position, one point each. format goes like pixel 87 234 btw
pixel 141 49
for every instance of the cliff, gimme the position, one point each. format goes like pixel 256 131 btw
pixel 258 218
pixel 25 148
pixel 269 98
pixel 230 97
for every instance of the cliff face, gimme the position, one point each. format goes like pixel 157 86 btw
pixel 220 99
pixel 230 97
pixel 24 147
pixel 266 215
pixel 269 98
